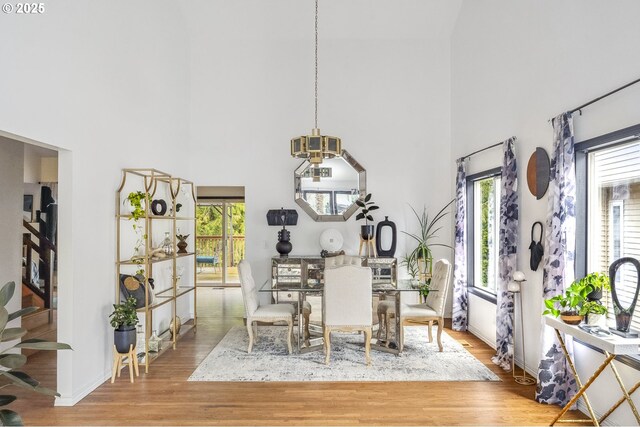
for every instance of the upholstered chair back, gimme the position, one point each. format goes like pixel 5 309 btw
pixel 249 290
pixel 440 280
pixel 337 261
pixel 347 296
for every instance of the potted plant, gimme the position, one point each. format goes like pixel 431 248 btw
pixel 594 311
pixel 124 319
pixel 135 199
pixel 568 305
pixel 421 257
pixel 12 361
pixel 412 267
pixel 597 282
pixel 366 205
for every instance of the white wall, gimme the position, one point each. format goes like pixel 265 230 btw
pixel 11 175
pixel 384 89
pixel 108 82
pixel 517 64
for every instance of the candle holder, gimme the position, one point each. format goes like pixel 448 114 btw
pixel 515 287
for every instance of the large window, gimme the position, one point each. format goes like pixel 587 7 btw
pixel 611 202
pixel 483 213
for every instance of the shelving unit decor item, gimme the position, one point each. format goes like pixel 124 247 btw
pixel 146 247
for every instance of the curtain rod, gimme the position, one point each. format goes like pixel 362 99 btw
pixel 480 151
pixel 593 101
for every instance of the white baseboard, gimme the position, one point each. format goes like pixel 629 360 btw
pixel 491 342
pixel 71 401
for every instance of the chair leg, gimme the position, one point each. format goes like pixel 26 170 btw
pixel 380 324
pixel 289 333
pixel 387 328
pixel 255 332
pixel 367 345
pixel 250 330
pixel 440 326
pixel 307 334
pixel 401 340
pixel 327 345
pixel 430 334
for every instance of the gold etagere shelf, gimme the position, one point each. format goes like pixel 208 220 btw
pixel 150 182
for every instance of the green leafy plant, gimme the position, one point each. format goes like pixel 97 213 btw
pixel 428 232
pixel 12 362
pixel 412 267
pixel 135 198
pixel 124 314
pixel 366 206
pixel 592 307
pixel 574 298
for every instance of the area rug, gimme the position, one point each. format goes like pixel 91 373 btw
pixel 270 361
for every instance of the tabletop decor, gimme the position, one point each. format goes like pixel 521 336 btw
pixel 571 305
pixel 394 237
pixel 283 217
pixel 182 243
pixel 366 206
pixel 623 315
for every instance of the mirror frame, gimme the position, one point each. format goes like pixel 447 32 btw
pixel 362 190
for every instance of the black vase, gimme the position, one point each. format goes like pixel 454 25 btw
pixel 284 246
pixel 366 232
pixel 623 315
pixel 392 249
pixel 124 337
pixel 595 295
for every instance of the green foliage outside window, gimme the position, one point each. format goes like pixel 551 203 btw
pixel 486 188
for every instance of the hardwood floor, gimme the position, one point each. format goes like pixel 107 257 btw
pixel 164 397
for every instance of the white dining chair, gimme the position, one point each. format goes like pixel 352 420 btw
pixel 347 304
pixel 256 312
pixel 433 309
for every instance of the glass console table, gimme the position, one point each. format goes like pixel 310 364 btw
pixel 304 290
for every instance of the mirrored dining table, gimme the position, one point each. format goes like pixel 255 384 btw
pixel 297 293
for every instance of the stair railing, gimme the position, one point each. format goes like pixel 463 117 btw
pixel 34 241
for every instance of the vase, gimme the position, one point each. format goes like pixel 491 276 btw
pixel 167 244
pixel 178 324
pixel 154 342
pixel 182 244
pixel 159 207
pixel 571 319
pixel 595 319
pixel 284 246
pixel 392 248
pixel 124 337
pixel 366 232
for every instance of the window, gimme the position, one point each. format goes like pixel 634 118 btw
pixel 609 212
pixel 483 219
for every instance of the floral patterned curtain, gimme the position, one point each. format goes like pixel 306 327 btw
pixel 556 383
pixel 460 262
pixel 507 248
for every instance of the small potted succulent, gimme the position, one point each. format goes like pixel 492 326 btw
pixel 366 205
pixel 124 319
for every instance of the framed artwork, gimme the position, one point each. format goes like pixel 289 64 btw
pixel 27 207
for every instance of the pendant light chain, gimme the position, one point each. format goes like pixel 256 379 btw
pixel 316 81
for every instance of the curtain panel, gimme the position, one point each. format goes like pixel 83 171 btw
pixel 460 297
pixel 507 259
pixel 556 383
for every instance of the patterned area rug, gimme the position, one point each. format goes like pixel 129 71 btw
pixel 270 361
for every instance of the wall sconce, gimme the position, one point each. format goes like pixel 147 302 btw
pixel 283 217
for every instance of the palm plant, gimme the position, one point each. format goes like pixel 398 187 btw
pixel 11 361
pixel 421 257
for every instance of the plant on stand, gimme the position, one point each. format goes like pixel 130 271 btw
pixel 124 320
pixel 421 258
pixel 366 205
pixel 11 361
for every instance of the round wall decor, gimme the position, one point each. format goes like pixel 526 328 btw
pixel 538 172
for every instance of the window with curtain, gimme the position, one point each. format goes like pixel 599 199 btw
pixel 483 216
pixel 613 215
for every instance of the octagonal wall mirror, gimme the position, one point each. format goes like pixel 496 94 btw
pixel 328 191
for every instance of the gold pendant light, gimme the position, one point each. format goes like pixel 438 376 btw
pixel 316 147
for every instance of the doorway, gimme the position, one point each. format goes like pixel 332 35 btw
pixel 220 235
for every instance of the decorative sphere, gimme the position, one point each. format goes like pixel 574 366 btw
pixel 513 287
pixel 518 276
pixel 331 240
